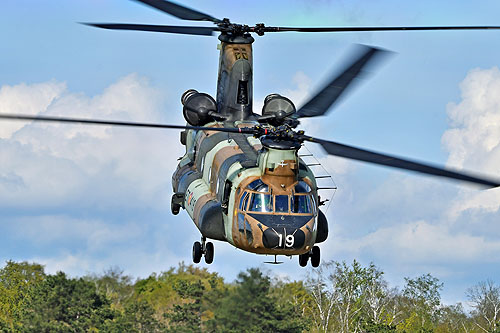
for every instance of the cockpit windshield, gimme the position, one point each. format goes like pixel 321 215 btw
pixel 261 202
pixel 258 198
pixel 301 204
pixel 281 203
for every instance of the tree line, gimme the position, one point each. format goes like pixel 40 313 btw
pixel 337 297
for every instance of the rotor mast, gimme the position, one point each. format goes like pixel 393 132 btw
pixel 235 78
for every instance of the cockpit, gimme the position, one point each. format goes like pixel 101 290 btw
pixel 280 217
pixel 258 198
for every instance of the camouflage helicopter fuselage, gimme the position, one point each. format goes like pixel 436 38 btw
pixel 255 193
pixel 270 208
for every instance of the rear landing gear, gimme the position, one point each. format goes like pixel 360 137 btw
pixel 314 254
pixel 203 249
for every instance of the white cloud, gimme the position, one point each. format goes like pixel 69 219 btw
pixel 474 137
pixel 423 242
pixel 298 94
pixel 302 90
pixel 53 164
pixel 26 99
pixel 473 140
pixel 82 198
pixel 67 263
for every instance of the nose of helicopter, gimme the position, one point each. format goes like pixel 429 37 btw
pixel 283 231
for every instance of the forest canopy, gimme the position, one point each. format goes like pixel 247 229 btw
pixel 337 297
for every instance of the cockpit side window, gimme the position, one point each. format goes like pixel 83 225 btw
pixel 302 187
pixel 281 203
pixel 243 201
pixel 261 202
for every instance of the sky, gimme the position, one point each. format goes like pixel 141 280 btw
pixel 82 199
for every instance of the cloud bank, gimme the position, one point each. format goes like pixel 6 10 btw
pixel 95 193
pixel 434 225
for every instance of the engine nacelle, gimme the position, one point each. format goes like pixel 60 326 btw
pixel 199 108
pixel 278 105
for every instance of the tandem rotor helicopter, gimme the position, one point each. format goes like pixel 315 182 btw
pixel 241 179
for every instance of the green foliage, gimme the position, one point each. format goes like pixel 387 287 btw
pixel 421 304
pixel 59 304
pixel 452 318
pixel 17 281
pixel 186 317
pixel 377 328
pixel 136 317
pixel 337 297
pixel 349 298
pixel 251 307
pixel 117 287
pixel 424 291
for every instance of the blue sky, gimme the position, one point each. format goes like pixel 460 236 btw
pixel 84 199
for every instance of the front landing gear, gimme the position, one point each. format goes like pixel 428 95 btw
pixel 203 248
pixel 176 203
pixel 314 254
pixel 209 253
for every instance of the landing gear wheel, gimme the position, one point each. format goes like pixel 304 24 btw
pixel 175 208
pixel 197 252
pixel 303 259
pixel 209 253
pixel 176 203
pixel 315 256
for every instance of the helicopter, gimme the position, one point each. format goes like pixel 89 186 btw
pixel 241 179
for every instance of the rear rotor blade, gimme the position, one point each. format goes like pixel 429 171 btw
pixel 319 104
pixel 338 149
pixel 179 11
pixel 203 31
pixel 245 130
pixel 361 29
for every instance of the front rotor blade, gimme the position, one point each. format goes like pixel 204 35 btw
pixel 361 29
pixel 179 11
pixel 204 31
pixel 245 130
pixel 338 149
pixel 319 104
